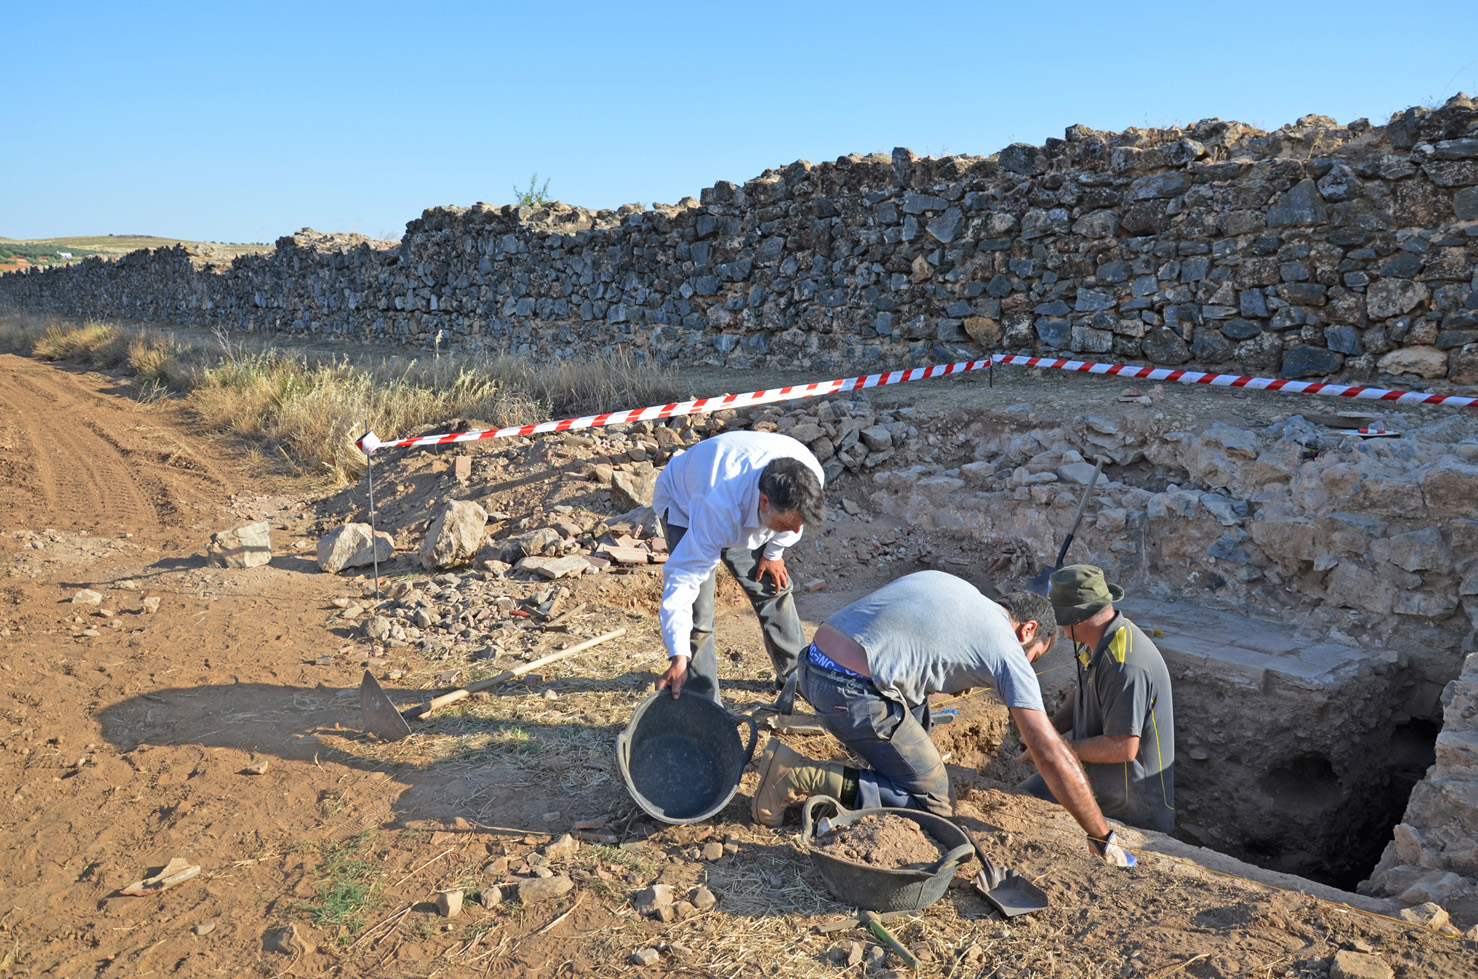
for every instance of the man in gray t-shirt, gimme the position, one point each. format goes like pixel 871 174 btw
pixel 869 671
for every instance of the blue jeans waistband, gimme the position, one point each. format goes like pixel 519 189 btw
pixel 818 658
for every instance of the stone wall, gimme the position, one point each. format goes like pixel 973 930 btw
pixel 1434 855
pixel 1315 250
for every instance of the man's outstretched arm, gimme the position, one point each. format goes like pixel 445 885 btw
pixel 1063 774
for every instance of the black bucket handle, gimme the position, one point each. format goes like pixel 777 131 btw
pixel 806 818
pixel 754 735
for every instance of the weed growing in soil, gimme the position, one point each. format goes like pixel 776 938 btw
pixel 349 891
pixel 630 859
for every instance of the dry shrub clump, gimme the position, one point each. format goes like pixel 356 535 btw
pixel 309 409
pixel 97 343
pixel 313 411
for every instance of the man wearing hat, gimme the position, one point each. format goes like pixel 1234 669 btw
pixel 1120 721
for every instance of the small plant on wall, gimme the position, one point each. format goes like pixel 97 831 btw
pixel 534 194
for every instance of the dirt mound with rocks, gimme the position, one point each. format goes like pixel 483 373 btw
pixel 887 841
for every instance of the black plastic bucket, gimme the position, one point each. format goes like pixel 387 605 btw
pixel 682 758
pixel 880 888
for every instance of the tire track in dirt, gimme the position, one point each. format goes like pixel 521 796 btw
pixel 73 459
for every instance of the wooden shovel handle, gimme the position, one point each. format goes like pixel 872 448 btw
pixel 462 693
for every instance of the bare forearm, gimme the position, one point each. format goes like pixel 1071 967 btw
pixel 1064 776
pixel 1105 749
pixel 1060 769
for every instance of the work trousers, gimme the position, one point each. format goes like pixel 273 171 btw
pixel 906 771
pixel 779 623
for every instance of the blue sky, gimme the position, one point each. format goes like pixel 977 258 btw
pixel 246 121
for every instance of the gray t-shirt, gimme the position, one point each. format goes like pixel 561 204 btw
pixel 930 632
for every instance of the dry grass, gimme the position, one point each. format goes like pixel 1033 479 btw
pixel 309 410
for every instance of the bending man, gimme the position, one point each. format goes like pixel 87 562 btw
pixel 869 672
pixel 740 498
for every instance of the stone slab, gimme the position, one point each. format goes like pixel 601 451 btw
pixel 1248 646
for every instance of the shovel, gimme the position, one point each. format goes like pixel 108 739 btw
pixel 1009 892
pixel 1041 584
pixel 384 721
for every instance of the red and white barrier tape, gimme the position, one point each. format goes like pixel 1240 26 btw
pixel 702 406
pixel 1236 381
pixel 369 442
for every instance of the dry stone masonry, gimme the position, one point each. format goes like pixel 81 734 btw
pixel 1317 250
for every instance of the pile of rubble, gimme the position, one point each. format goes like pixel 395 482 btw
pixel 492 570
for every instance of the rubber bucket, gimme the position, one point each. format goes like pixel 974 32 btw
pixel 881 888
pixel 682 758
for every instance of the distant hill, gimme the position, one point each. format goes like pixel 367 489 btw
pixel 20 252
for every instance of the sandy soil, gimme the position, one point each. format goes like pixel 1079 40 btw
pixel 220 725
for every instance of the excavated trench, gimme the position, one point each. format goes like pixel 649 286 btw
pixel 1305 780
pixel 1304 715
pixel 1299 760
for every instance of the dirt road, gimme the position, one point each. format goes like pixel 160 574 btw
pixel 132 729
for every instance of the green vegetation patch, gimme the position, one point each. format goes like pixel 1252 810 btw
pixel 348 892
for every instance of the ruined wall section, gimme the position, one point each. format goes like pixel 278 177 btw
pixel 1317 250
pixel 1434 855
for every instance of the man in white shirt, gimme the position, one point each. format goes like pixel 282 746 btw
pixel 741 498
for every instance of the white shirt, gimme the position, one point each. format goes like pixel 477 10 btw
pixel 713 490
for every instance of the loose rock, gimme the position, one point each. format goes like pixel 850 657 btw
pixel 544 889
pixel 449 902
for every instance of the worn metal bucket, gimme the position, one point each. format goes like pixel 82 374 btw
pixel 879 888
pixel 682 758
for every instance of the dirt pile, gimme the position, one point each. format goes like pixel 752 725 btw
pixel 887 841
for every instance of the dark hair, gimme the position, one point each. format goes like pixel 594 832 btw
pixel 792 486
pixel 1025 606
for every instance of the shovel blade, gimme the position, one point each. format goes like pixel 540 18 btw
pixel 1013 896
pixel 1041 583
pixel 379 715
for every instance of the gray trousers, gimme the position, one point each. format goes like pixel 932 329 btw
pixel 779 623
pixel 906 770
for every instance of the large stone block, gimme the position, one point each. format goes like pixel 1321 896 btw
pixel 353 545
pixel 1462 366
pixel 1310 362
pixel 1300 205
pixel 1352 585
pixel 1393 297
pixel 454 535
pixel 1165 347
pixel 249 546
pixel 1423 360
pixel 633 488
pixel 1449 488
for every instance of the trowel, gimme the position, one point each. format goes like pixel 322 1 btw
pixel 1006 890
pixel 1041 583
